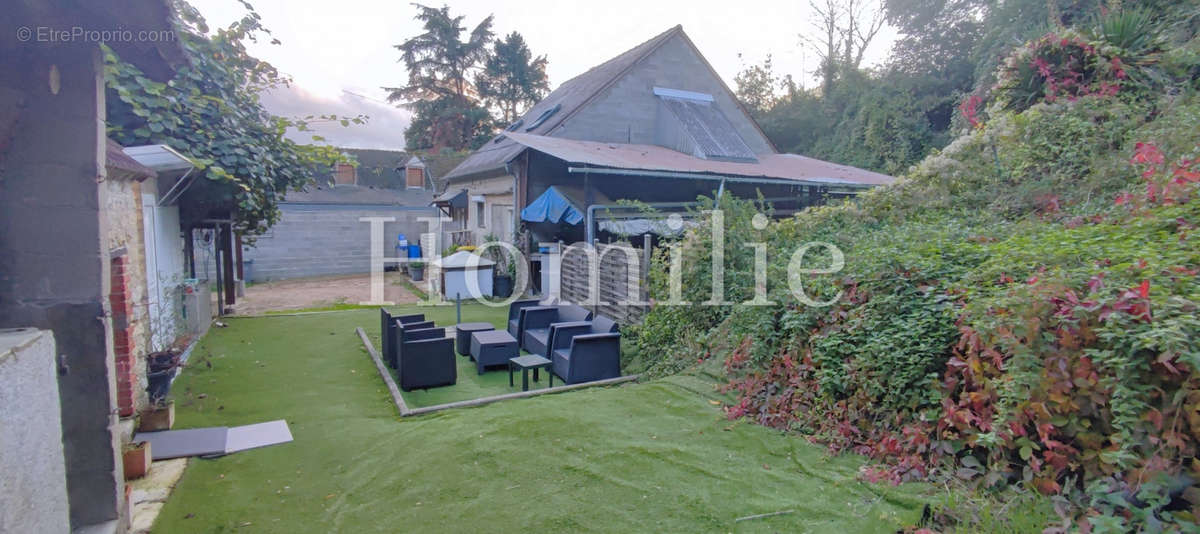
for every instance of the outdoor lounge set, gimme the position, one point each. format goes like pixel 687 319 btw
pixel 565 340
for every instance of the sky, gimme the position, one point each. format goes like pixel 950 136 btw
pixel 341 53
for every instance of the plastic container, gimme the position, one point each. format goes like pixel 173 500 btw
pixel 414 251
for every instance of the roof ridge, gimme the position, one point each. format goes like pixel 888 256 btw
pixel 643 50
pixel 662 36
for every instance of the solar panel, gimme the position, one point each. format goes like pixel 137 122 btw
pixel 709 129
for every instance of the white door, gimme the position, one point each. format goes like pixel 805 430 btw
pixel 164 270
pixel 153 288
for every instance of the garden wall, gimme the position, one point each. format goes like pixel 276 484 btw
pixel 316 240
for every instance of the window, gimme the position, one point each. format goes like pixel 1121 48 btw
pixel 542 118
pixel 479 214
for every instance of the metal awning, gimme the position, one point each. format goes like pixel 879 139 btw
pixel 174 170
pixel 452 198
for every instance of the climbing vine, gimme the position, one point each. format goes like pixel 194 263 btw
pixel 210 111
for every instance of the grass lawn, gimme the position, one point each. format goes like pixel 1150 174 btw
pixel 656 456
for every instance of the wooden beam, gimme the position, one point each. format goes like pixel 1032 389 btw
pixel 237 246
pixel 227 274
pixel 189 251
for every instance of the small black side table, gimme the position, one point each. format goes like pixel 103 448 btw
pixel 462 335
pixel 525 363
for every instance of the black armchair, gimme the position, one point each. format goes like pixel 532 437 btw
pixel 536 322
pixel 514 316
pixel 387 334
pixel 589 357
pixel 562 333
pixel 398 328
pixel 426 359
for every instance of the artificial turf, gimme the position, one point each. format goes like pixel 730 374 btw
pixel 656 456
pixel 470 384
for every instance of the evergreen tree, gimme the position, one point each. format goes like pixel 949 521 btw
pixel 512 78
pixel 439 63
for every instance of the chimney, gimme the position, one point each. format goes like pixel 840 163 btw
pixel 345 174
pixel 414 173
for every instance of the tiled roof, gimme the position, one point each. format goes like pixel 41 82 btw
pixel 126 167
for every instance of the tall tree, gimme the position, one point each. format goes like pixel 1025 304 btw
pixel 845 29
pixel 440 63
pixel 512 78
pixel 756 87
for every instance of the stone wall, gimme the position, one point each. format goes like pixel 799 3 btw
pixel 125 241
pixel 33 483
pixel 315 240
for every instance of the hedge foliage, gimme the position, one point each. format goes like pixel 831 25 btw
pixel 1020 310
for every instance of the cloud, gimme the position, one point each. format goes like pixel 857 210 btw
pixel 384 127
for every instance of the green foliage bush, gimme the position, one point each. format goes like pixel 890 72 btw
pixel 1020 309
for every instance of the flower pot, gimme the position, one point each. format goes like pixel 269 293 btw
pixel 136 460
pixel 417 273
pixel 502 286
pixel 157 418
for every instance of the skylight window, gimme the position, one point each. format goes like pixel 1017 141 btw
pixel 542 118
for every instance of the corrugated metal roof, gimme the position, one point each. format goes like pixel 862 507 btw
pixel 571 95
pixel 657 158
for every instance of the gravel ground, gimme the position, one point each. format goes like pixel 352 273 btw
pixel 322 291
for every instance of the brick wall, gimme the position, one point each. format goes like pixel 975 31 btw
pixel 120 300
pixel 125 240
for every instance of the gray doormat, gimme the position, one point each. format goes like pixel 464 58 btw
pixel 179 443
pixel 214 441
pixel 245 437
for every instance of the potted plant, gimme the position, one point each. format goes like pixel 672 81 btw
pixel 416 270
pixel 135 458
pixel 160 369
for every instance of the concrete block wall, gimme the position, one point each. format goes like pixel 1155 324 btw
pixel 316 240
pixel 33 481
pixel 626 112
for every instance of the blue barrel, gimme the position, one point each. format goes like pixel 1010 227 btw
pixel 414 251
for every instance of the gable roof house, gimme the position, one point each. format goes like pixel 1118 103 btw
pixel 656 124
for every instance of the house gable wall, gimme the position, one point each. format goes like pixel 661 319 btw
pixel 627 111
